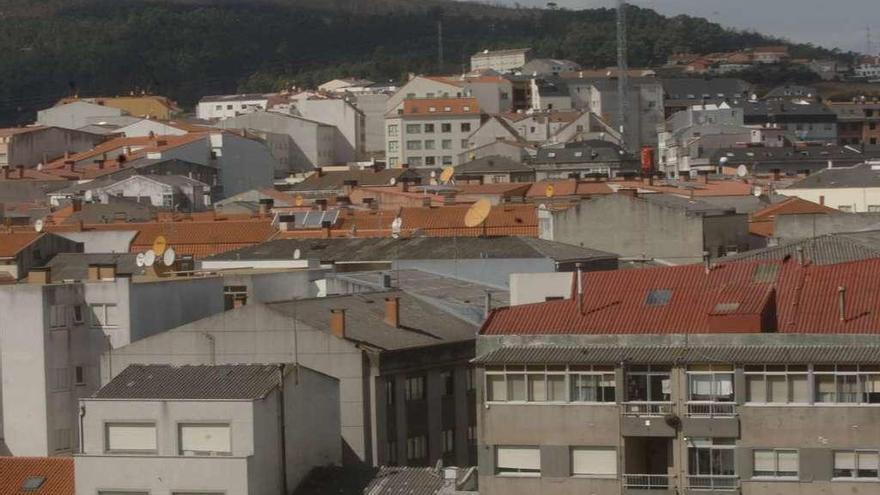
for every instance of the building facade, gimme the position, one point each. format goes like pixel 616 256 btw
pixel 430 132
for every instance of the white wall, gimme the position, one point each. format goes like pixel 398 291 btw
pixel 857 199
pixel 211 110
pixel 529 288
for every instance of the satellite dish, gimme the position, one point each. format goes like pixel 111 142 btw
pixel 742 171
pixel 140 260
pixel 433 174
pixel 478 213
pixel 169 257
pixel 89 195
pixel 150 258
pixel 159 245
pixel 297 254
pixel 723 161
pixel 396 225
pixel 550 191
pixel 298 201
pixel 39 225
pixel 542 206
pixel 757 191
pixel 447 174
pixel 393 181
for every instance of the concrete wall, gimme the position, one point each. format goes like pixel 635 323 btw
pixel 74 115
pixel 162 305
pixel 491 272
pixel 349 123
pixel 849 199
pixel 278 286
pixel 793 227
pixel 38 253
pixel 43 146
pixel 528 288
pixel 144 127
pixel 373 108
pixel 494 97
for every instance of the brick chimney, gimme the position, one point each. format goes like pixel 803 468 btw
pixel 392 311
pixel 40 276
pixel 337 323
pixel 322 204
pixel 326 225
pixel 266 205
pixel 20 169
pixel 7 172
pixel 77 204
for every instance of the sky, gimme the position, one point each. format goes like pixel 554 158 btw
pixel 831 24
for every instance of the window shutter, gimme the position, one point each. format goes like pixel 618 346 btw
pixel 765 461
pixel 788 461
pixel 527 458
pixel 594 461
pixel 133 438
pixel 844 460
pixel 205 438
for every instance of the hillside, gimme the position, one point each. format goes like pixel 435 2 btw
pixel 189 48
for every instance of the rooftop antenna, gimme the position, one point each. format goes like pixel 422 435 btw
pixel 622 67
pixel 869 43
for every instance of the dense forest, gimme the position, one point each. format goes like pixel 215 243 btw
pixel 188 48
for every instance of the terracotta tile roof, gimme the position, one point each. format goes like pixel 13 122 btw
pixel 450 80
pixel 11 243
pixel 441 106
pixel 11 131
pixel 506 189
pixel 763 222
pixel 570 187
pixel 57 471
pixel 735 297
pixel 699 188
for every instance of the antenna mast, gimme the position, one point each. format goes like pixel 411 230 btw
pixel 622 66
pixel 869 41
pixel 440 42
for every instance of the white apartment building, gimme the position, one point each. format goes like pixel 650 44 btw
pixel 219 107
pixel 53 334
pixel 350 122
pixel 430 132
pixel 228 429
pixel 501 60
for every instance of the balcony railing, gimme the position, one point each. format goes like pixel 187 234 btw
pixel 643 408
pixel 713 482
pixel 646 481
pixel 711 409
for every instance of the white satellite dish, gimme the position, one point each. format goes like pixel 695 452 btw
pixel 742 171
pixel 433 174
pixel 140 260
pixel 393 181
pixel 39 225
pixel 396 225
pixel 89 195
pixel 169 257
pixel 297 254
pixel 150 258
pixel 757 191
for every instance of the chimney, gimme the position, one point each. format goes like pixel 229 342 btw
pixel 800 255
pixel 830 164
pixel 348 186
pixel 449 198
pixel 319 172
pixel 392 311
pixel 77 204
pixel 70 165
pixel 705 177
pixel 580 287
pixel 325 227
pixel 20 171
pixel 651 179
pixel 7 172
pixel 100 272
pixel 322 204
pixel 266 205
pixel 40 276
pixel 337 323
pixel 841 302
pixel 487 306
pixel 426 202
pixel 706 262
pixel 386 280
pixel 777 174
pixel 822 200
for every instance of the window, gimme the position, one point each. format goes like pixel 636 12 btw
pixel 518 461
pixel 592 384
pixel 413 145
pixel 592 461
pixel 873 208
pixel 429 128
pixel 445 127
pixel 393 146
pixel 32 483
pixel 104 315
pixel 446 144
pixel 218 107
pixel 860 464
pixel 447 378
pixel 229 107
pixel 391 452
pixel 648 384
pixel 777 384
pixel 130 438
pixel 415 161
pixel 430 160
pixel 845 208
pixel 466 126
pixel 465 144
pixel 847 384
pixel 448 441
pixel 79 375
pixel 471 379
pixel 416 448
pixel 447 160
pixel 550 384
pixel 775 463
pixel 57 316
pixel 78 313
pixel 413 128
pixel 167 200
pixel 235 296
pixel 415 388
pixel 389 391
pixel 710 458
pixel 430 144
pixel 710 383
pixel 205 439
pixel 60 379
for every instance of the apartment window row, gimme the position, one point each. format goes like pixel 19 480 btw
pixel 393 130
pixel 831 384
pixel 61 314
pixel 193 439
pixel 550 384
pixel 599 462
pixel 416 448
pixel 128 492
pixel 857 464
pixel 417 161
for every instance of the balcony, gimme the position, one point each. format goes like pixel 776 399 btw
pixel 719 483
pixel 646 419
pixel 635 483
pixel 649 462
pixel 711 409
pixel 647 409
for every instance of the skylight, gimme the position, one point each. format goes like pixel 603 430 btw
pixel 33 483
pixel 658 297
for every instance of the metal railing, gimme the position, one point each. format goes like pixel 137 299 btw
pixel 711 409
pixel 647 408
pixel 713 482
pixel 646 481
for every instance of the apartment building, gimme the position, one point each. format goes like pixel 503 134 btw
pixel 430 132
pixel 752 378
pixel 30 146
pixel 501 60
pixel 163 430
pixel 220 107
pixel 52 334
pixel 858 122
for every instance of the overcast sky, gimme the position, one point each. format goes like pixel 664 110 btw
pixel 829 23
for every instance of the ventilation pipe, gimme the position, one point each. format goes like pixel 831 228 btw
pixel 841 302
pixel 580 287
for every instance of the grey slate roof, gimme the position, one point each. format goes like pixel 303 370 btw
pixel 75 266
pixel 744 354
pixel 695 89
pixel 414 248
pixel 490 165
pixel 585 152
pixel 858 176
pixel 405 481
pixel 335 180
pixel 795 159
pixel 687 204
pixel 823 250
pixel 421 323
pixel 166 382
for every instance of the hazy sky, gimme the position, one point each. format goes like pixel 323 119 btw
pixel 830 23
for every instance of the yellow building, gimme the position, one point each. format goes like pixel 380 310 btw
pixel 155 107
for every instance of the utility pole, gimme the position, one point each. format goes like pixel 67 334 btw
pixel 622 71
pixel 440 42
pixel 870 43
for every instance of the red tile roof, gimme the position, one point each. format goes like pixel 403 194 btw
pixel 441 107
pixel 699 188
pixel 763 222
pixel 11 243
pixel 58 473
pixel 737 297
pixel 570 187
